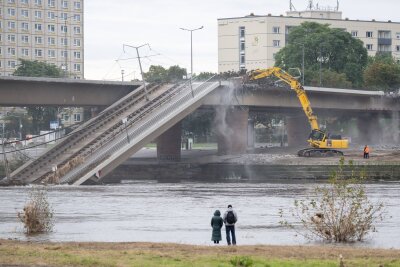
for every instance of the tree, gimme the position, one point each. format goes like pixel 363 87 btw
pixel 339 211
pixel 41 116
pixel 37 69
pixel 159 74
pixel 203 76
pixel 325 47
pixel 382 73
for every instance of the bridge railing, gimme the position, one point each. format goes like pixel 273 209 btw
pixel 137 129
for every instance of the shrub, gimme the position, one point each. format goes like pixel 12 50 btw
pixel 243 261
pixel 339 211
pixel 37 215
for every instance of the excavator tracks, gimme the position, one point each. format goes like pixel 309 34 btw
pixel 319 153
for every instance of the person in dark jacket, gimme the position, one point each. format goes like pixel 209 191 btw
pixel 230 218
pixel 216 224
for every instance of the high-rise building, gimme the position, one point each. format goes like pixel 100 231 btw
pixel 43 30
pixel 252 41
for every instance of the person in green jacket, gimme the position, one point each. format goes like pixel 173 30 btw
pixel 216 224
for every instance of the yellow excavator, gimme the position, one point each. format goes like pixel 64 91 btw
pixel 322 144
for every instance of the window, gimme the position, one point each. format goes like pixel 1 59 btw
pixel 397 35
pixel 77 117
pixel 242 59
pixel 1 51
pixel 64 41
pixel 275 29
pixel 1 24
pixel 38 52
pixel 12 64
pixel 11 25
pixel 11 51
pixel 25 52
pixel 51 28
pixel 77 67
pixel 242 45
pixel 25 26
pixel 276 43
pixel 369 34
pixel 11 1
pixel 51 3
pixel 77 30
pixel 25 39
pixel 77 17
pixel 11 12
pixel 77 42
pixel 51 15
pixel 24 13
pixel 64 53
pixel 369 47
pixel 398 48
pixel 64 28
pixel 51 41
pixel 38 27
pixel 242 32
pixel 38 14
pixel 24 2
pixel 64 4
pixel 64 15
pixel 38 40
pixel 354 33
pixel 77 5
pixel 77 55
pixel 38 2
pixel 1 38
pixel 51 53
pixel 11 38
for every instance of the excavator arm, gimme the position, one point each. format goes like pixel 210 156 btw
pixel 320 142
pixel 294 84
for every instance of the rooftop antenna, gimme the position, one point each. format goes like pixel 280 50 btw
pixel 310 5
pixel 292 6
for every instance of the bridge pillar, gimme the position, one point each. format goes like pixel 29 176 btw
pixel 232 130
pixel 369 129
pixel 298 130
pixel 169 144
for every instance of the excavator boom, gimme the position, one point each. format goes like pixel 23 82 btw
pixel 321 144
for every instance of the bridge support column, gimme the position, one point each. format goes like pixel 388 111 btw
pixel 298 130
pixel 169 144
pixel 251 135
pixel 369 129
pixel 232 130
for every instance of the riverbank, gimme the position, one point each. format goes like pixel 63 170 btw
pixel 15 253
pixel 261 165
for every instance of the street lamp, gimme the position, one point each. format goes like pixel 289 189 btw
pixel 191 50
pixel 66 40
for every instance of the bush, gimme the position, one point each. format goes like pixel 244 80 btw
pixel 37 215
pixel 243 261
pixel 339 211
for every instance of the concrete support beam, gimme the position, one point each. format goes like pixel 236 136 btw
pixel 251 135
pixel 232 129
pixel 369 129
pixel 298 129
pixel 169 144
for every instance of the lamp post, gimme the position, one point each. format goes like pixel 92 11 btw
pixel 191 50
pixel 66 43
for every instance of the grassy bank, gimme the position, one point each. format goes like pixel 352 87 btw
pixel 155 254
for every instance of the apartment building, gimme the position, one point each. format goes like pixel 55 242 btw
pixel 43 30
pixel 252 41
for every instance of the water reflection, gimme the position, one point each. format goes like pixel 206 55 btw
pixel 162 212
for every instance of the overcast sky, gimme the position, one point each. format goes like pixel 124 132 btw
pixel 110 24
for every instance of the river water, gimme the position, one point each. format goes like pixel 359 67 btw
pixel 181 212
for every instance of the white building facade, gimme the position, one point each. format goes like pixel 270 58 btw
pixel 252 42
pixel 45 30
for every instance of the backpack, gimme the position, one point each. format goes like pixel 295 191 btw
pixel 230 217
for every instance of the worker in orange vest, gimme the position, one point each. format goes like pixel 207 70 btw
pixel 366 152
